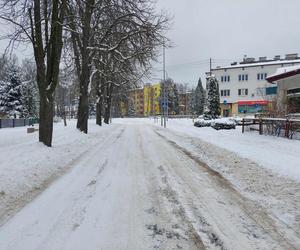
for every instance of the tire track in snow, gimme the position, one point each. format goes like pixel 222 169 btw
pixel 250 208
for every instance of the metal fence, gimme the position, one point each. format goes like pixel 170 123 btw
pixel 12 123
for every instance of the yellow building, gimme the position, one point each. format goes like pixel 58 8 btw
pixel 152 99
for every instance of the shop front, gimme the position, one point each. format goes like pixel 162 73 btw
pixel 245 107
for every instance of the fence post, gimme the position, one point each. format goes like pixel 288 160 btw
pixel 243 125
pixel 260 127
pixel 287 128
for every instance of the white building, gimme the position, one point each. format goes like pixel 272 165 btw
pixel 244 88
pixel 288 89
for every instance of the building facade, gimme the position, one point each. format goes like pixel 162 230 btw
pixel 136 101
pixel 152 99
pixel 243 86
pixel 288 94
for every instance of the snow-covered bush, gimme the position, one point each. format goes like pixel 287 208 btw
pixel 220 123
pixel 202 123
pixel 223 123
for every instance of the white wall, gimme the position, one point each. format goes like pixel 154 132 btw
pixel 253 85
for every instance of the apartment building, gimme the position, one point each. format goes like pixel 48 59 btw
pixel 243 86
pixel 136 99
pixel 152 99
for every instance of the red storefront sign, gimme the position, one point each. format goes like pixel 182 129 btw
pixel 252 102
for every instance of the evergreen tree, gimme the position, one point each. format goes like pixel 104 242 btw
pixel 199 99
pixel 2 98
pixel 11 97
pixel 213 97
pixel 175 100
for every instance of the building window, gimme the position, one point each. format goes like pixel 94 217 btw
pixel 271 90
pixel 225 78
pixel 225 92
pixel 243 92
pixel 243 77
pixel 262 76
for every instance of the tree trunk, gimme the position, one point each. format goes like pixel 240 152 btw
pixel 107 110
pixel 99 112
pixel 46 121
pixel 108 96
pixel 83 113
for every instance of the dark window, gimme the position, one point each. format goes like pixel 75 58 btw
pixel 293 91
pixel 271 91
pixel 258 76
pixel 243 77
pixel 266 75
pixel 240 77
pixel 222 93
pixel 228 79
pixel 240 92
pixel 221 78
pixel 246 91
pixel 246 77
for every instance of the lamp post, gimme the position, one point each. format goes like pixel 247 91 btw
pixel 165 102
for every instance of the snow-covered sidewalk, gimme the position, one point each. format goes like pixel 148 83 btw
pixel 27 167
pixel 280 155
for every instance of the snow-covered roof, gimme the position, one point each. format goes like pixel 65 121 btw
pixel 284 72
pixel 257 64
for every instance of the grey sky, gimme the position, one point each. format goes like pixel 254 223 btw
pixel 226 30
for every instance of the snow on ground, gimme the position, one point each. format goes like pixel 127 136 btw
pixel 135 185
pixel 262 168
pixel 27 167
pixel 278 154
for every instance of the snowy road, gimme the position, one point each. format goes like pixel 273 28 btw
pixel 136 189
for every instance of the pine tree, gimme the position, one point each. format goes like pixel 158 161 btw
pixel 2 98
pixel 199 99
pixel 175 100
pixel 213 97
pixel 11 97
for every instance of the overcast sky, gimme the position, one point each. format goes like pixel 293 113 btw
pixel 226 30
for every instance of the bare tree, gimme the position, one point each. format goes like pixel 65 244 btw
pixel 40 23
pixel 117 38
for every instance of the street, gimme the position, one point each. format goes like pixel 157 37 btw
pixel 137 189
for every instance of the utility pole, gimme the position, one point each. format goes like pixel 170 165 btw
pixel 210 66
pixel 165 102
